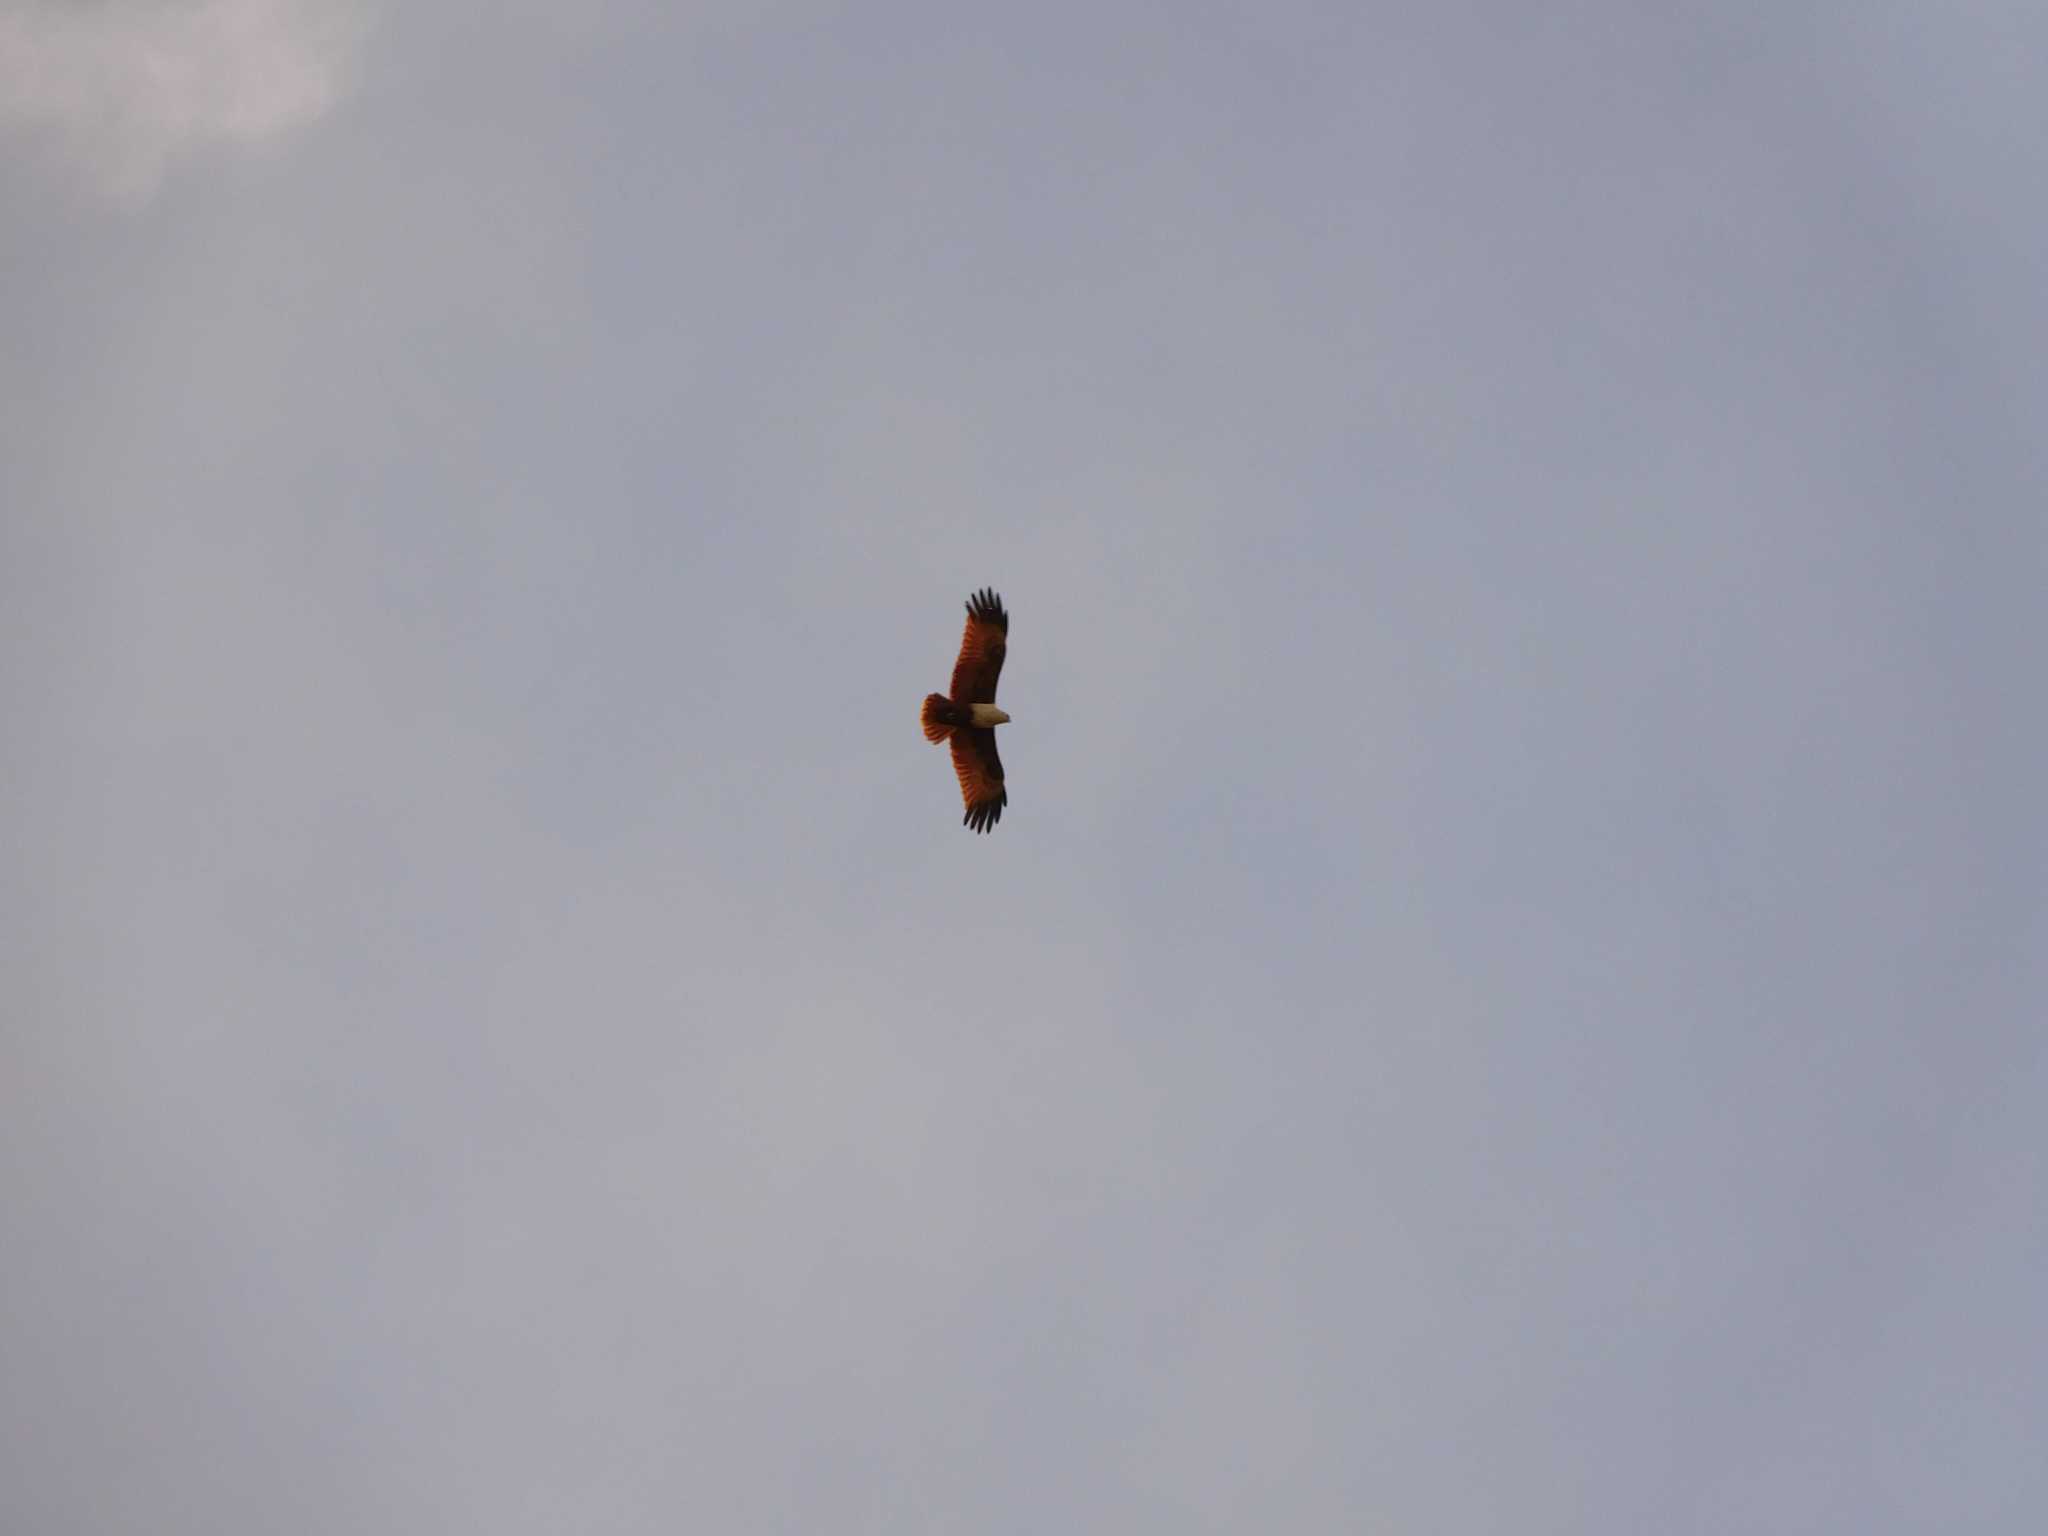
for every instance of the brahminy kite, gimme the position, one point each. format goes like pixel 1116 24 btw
pixel 970 716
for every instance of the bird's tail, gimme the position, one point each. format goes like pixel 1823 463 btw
pixel 937 719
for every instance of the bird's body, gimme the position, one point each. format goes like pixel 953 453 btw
pixel 968 717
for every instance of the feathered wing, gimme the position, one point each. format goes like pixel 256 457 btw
pixel 981 777
pixel 981 652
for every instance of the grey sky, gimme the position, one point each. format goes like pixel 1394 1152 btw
pixel 1509 992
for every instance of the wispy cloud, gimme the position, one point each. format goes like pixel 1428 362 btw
pixel 125 89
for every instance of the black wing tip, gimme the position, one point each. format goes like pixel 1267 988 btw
pixel 985 604
pixel 983 817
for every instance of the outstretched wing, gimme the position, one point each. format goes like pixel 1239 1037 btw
pixel 981 652
pixel 981 777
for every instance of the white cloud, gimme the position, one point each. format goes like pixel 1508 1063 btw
pixel 126 88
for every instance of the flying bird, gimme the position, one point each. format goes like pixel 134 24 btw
pixel 970 716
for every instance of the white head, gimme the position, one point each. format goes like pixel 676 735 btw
pixel 987 714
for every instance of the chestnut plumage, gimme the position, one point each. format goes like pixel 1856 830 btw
pixel 967 716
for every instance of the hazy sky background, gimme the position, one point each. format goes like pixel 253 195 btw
pixel 1510 992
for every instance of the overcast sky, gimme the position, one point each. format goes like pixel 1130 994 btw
pixel 1510 992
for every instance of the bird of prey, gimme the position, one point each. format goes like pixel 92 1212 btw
pixel 970 717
